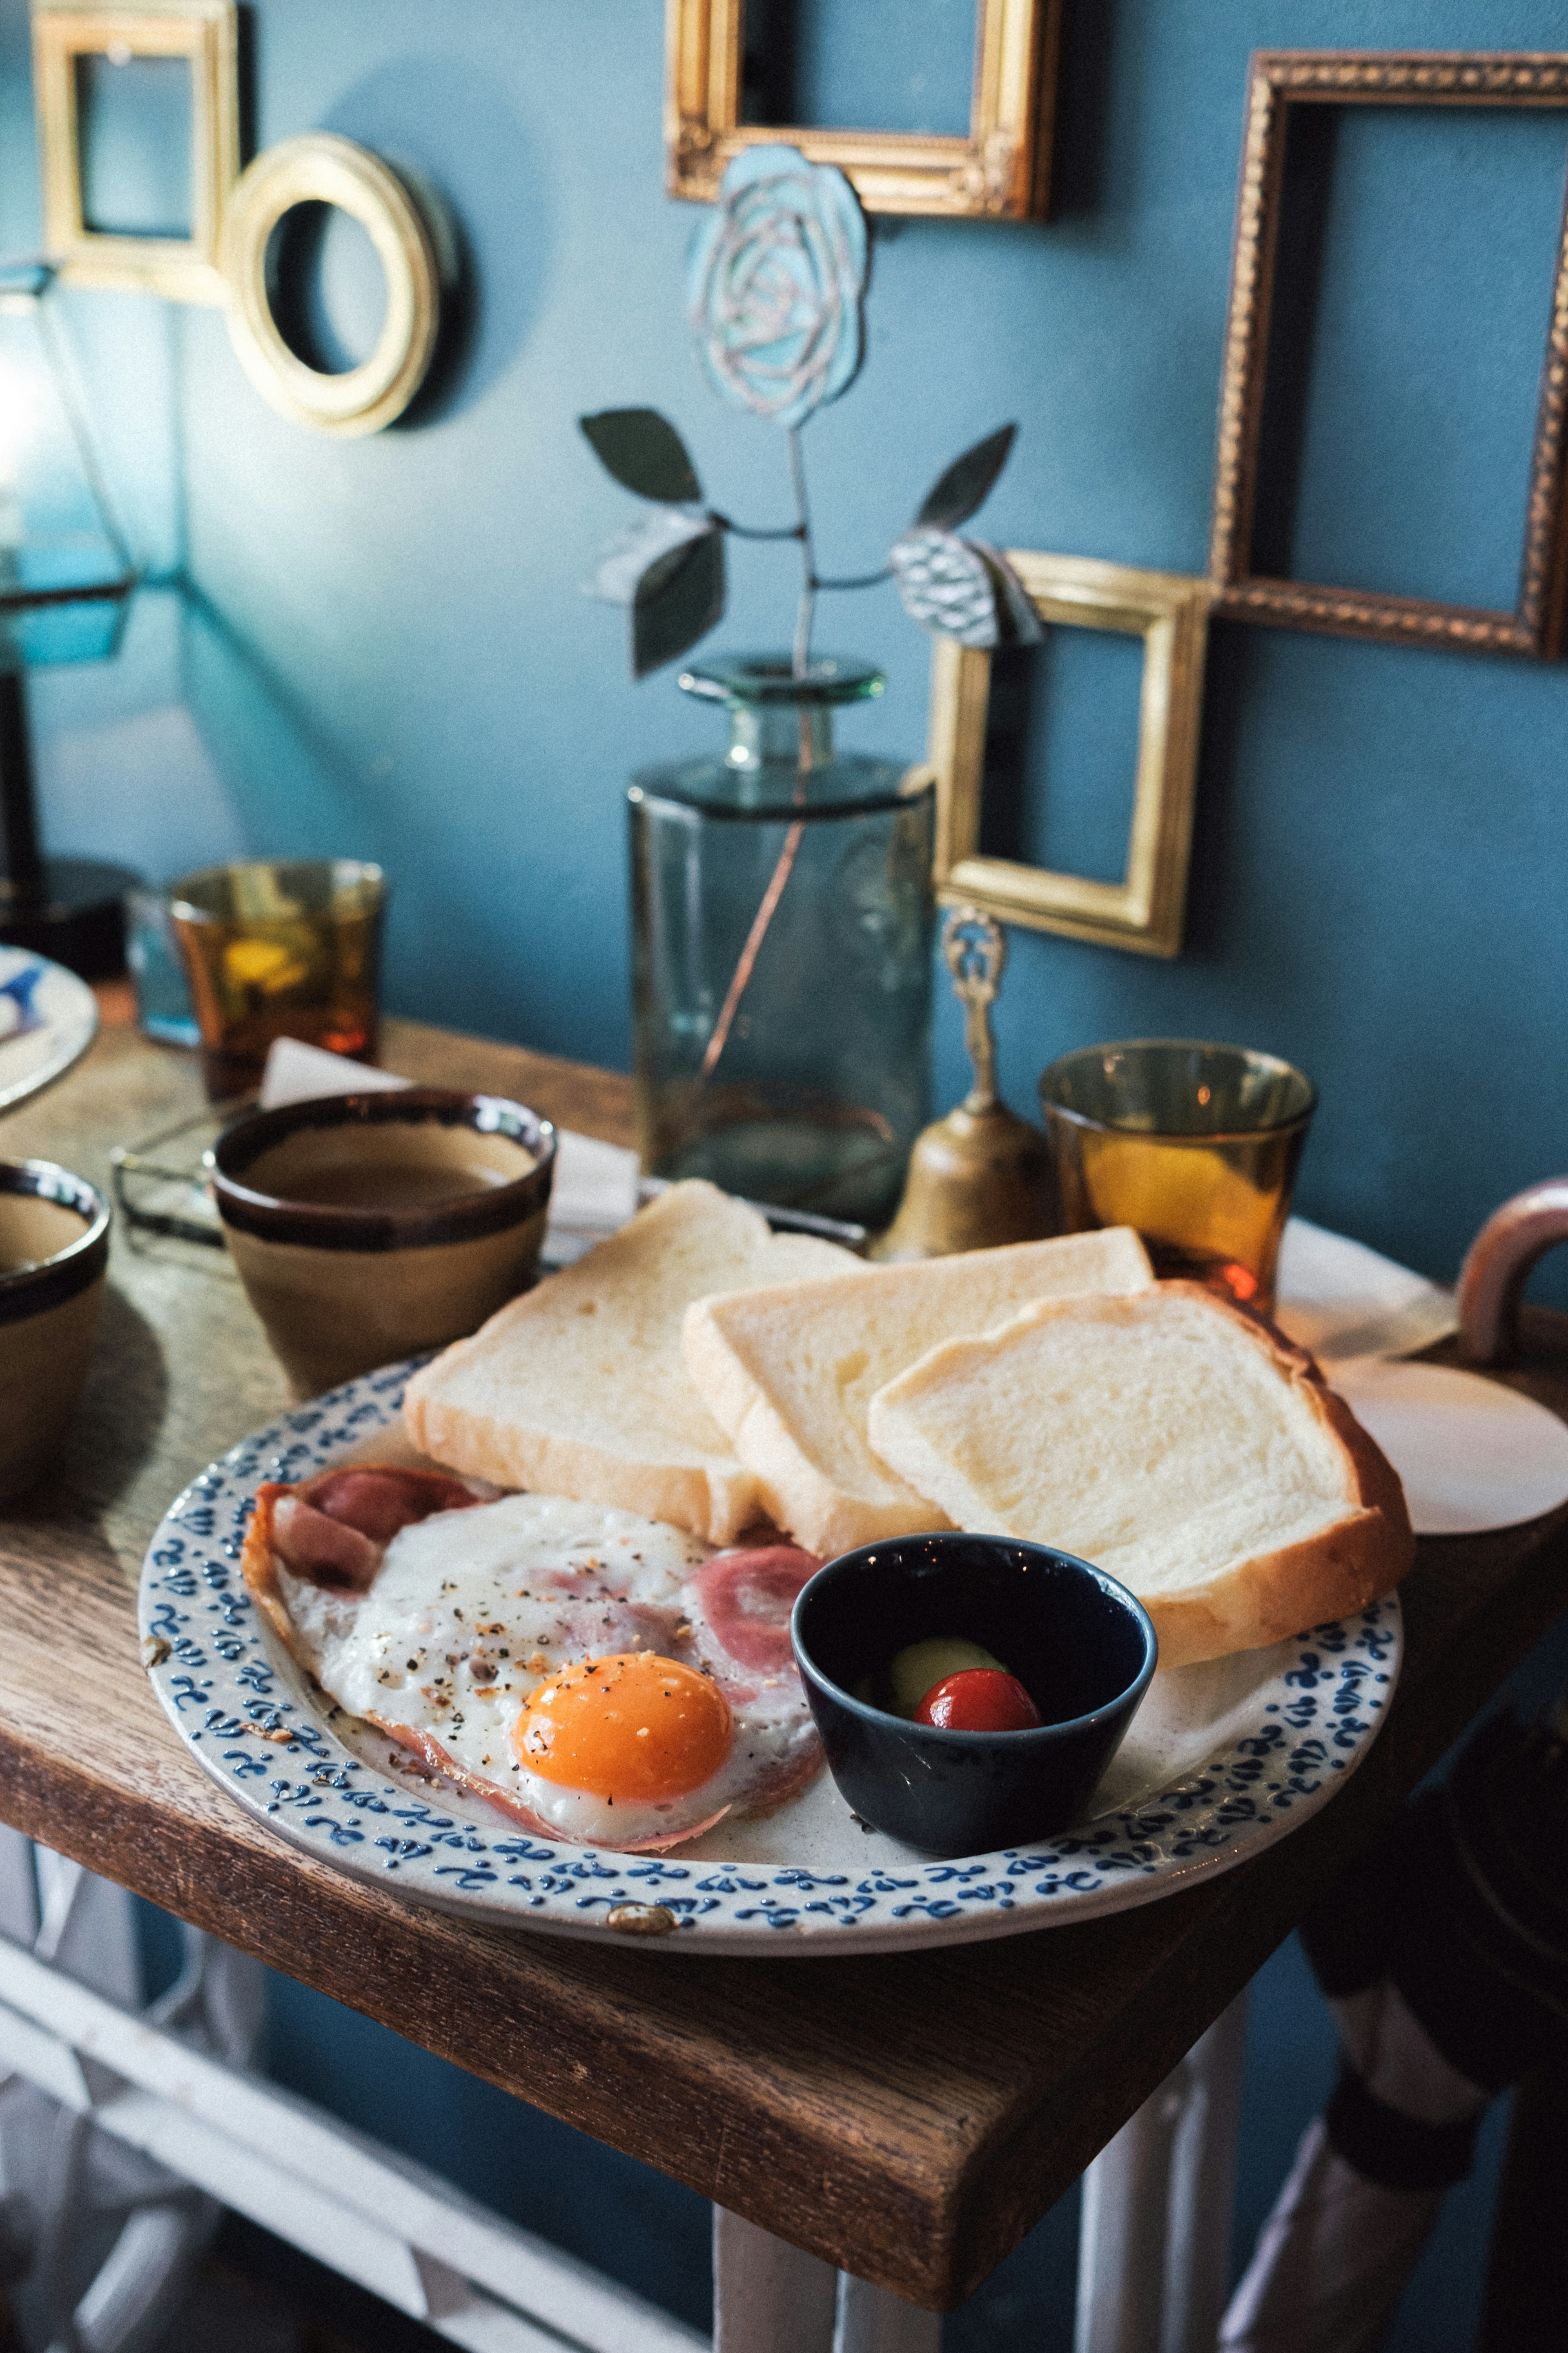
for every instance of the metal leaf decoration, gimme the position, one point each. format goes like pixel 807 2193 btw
pixel 678 600
pixel 643 450
pixel 962 588
pixel 967 482
pixel 642 545
pixel 945 585
pixel 1018 622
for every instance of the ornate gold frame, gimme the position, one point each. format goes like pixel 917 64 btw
pixel 1001 171
pixel 1281 79
pixel 1169 610
pixel 183 269
pixel 321 167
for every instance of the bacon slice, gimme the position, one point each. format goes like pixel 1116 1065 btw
pixel 746 1598
pixel 334 1529
pixel 378 1500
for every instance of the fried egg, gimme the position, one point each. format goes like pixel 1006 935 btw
pixel 601 1678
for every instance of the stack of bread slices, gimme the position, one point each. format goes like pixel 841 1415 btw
pixel 699 1369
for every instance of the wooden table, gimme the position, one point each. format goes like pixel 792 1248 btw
pixel 905 2118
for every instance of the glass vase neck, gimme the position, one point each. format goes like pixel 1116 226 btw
pixel 779 714
pixel 761 732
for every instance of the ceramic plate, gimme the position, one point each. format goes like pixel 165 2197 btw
pixel 1220 1761
pixel 49 1018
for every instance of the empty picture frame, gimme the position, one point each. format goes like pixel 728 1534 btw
pixel 1282 82
pixel 70 38
pixel 1001 171
pixel 1169 611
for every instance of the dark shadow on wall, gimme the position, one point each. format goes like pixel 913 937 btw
pixel 1208 880
pixel 1300 254
pixel 1083 106
pixel 291 784
pixel 445 127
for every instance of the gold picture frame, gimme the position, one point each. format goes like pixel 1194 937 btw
pixel 183 269
pixel 1002 171
pixel 321 167
pixel 1169 611
pixel 1280 81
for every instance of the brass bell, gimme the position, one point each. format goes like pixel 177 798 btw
pixel 982 1174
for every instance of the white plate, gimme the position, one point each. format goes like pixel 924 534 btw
pixel 1472 1454
pixel 49 1018
pixel 1220 1761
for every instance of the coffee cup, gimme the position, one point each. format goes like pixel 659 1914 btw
pixel 369 1227
pixel 54 1250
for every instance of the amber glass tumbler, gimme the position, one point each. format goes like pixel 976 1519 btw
pixel 1195 1145
pixel 281 948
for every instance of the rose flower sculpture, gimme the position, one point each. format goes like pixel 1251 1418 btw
pixel 777 277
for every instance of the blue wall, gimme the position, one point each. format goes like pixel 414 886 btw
pixel 390 655
pixel 379 647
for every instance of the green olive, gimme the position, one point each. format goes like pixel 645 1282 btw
pixel 915 1669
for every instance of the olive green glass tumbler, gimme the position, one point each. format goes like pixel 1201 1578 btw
pixel 1195 1145
pixel 281 948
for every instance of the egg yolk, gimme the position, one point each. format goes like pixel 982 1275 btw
pixel 629 1727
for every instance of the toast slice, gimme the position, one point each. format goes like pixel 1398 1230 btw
pixel 579 1387
pixel 1175 1441
pixel 790 1373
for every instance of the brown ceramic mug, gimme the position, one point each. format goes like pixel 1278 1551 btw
pixel 372 1227
pixel 54 1250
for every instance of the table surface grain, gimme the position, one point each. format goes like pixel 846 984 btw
pixel 907 2116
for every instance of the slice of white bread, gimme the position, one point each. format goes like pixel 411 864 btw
pixel 1175 1441
pixel 791 1373
pixel 579 1387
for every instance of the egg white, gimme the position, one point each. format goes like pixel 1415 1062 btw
pixel 473 1611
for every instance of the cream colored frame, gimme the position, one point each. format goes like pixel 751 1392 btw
pixel 1001 171
pixel 321 167
pixel 183 269
pixel 1169 610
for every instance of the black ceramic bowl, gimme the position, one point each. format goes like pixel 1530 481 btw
pixel 1078 1642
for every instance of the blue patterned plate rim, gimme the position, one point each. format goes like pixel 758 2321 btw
pixel 295 1763
pixel 49 1018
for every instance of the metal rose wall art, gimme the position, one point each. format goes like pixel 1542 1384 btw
pixel 778 282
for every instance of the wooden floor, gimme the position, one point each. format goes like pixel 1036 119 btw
pixel 908 2118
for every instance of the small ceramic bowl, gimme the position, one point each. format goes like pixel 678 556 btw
pixel 53 1249
pixel 371 1226
pixel 1079 1644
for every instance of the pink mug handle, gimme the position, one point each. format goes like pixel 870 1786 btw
pixel 1498 1262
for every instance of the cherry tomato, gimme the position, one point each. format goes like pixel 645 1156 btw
pixel 981 1699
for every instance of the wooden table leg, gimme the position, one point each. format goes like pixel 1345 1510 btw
pixel 1154 2237
pixel 872 2321
pixel 768 2297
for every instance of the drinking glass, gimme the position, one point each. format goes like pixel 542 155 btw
pixel 1195 1145
pixel 281 948
pixel 163 1008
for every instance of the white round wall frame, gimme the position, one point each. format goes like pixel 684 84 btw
pixel 322 168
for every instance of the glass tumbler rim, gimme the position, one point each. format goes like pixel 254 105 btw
pixel 1249 1057
pixel 361 877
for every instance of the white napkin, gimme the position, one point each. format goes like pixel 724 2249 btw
pixel 1340 1299
pixel 596 1186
